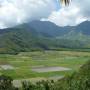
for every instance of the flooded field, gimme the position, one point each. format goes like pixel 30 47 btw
pixel 6 67
pixel 49 69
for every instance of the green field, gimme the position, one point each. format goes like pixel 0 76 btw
pixel 25 61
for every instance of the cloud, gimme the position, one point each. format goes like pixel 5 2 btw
pixel 13 12
pixel 77 12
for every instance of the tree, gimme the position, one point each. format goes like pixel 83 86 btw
pixel 6 83
pixel 65 2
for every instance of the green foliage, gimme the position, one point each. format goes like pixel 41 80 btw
pixel 77 81
pixel 6 83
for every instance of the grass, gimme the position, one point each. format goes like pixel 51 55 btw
pixel 24 61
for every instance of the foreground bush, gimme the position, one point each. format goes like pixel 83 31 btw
pixel 6 83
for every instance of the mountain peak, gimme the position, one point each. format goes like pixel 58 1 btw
pixel 84 23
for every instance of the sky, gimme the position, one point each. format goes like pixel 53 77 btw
pixel 14 12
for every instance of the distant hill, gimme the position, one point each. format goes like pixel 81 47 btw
pixel 49 29
pixel 21 39
pixel 77 35
pixel 84 28
pixel 44 35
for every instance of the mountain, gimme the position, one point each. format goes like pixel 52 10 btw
pixel 79 34
pixel 84 28
pixel 22 38
pixel 44 35
pixel 49 29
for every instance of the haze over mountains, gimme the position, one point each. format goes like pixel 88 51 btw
pixel 44 35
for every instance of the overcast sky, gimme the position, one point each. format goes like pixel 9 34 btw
pixel 13 12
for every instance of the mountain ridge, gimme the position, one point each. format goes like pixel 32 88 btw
pixel 40 35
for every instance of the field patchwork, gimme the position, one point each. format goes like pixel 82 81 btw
pixel 45 64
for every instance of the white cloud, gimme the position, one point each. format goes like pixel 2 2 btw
pixel 77 12
pixel 13 12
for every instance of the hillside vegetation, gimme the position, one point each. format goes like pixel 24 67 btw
pixel 38 36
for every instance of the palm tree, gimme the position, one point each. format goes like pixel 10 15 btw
pixel 65 2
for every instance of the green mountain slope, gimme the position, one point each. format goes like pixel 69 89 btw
pixel 27 38
pixel 22 40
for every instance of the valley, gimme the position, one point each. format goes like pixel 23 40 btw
pixel 43 64
pixel 44 45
